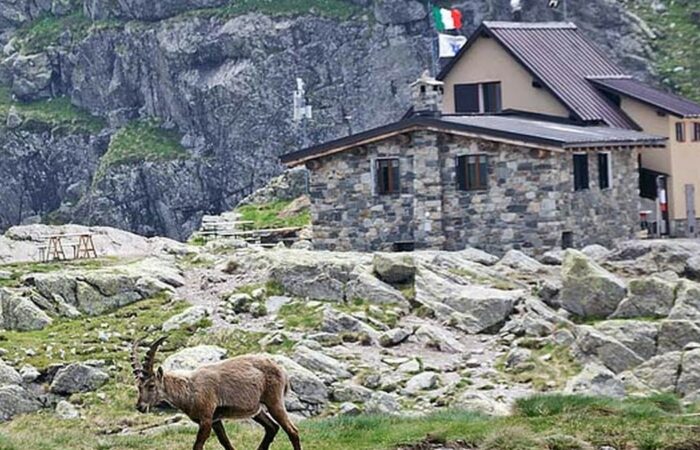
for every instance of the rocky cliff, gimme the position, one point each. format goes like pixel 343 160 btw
pixel 145 116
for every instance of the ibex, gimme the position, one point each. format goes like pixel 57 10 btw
pixel 251 386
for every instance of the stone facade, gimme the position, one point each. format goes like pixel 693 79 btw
pixel 528 205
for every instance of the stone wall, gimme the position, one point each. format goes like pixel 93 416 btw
pixel 529 203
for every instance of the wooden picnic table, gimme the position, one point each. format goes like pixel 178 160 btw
pixel 54 251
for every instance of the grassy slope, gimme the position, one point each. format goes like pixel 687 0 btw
pixel 266 215
pixel 55 113
pixel 678 44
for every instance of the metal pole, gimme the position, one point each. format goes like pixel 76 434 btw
pixel 433 41
pixel 566 15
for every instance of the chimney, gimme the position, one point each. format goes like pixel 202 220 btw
pixel 426 96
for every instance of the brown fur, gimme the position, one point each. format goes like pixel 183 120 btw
pixel 250 386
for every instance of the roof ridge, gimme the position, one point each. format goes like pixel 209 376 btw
pixel 530 25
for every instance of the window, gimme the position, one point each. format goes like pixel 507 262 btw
pixel 478 97
pixel 472 172
pixel 696 131
pixel 580 172
pixel 467 98
pixel 604 171
pixel 387 173
pixel 680 132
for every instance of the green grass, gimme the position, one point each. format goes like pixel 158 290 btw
pixel 298 315
pixel 46 31
pixel 678 44
pixel 560 367
pixel 266 215
pixel 336 9
pixel 141 141
pixel 57 113
pixel 18 270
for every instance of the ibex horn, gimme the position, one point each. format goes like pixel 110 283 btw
pixel 151 355
pixel 135 361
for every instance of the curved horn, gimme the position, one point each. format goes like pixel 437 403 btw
pixel 151 355
pixel 135 361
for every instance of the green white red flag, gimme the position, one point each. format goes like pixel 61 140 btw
pixel 447 19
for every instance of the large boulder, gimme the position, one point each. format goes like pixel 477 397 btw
pixel 31 76
pixel 519 261
pixel 439 339
pixel 307 386
pixel 188 317
pixel 609 351
pixel 15 400
pixel 674 335
pixel 692 268
pixel 588 290
pixel 340 322
pixel 369 288
pixel 648 297
pixel 689 378
pixel 596 380
pixel 657 255
pixel 20 313
pixel 394 268
pixel 425 381
pixel 8 375
pixel 687 306
pixel 194 357
pixel 660 372
pixel 638 336
pixel 78 377
pixel 323 365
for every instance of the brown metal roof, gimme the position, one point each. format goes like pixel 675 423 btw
pixel 562 59
pixel 664 101
pixel 503 128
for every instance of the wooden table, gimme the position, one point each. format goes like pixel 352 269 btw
pixel 54 251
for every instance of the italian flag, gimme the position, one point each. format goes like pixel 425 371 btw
pixel 447 19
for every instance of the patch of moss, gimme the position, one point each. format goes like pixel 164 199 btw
pixel 241 342
pixel 544 375
pixel 141 141
pixel 39 34
pixel 298 315
pixel 18 270
pixel 336 9
pixel 266 215
pixel 57 114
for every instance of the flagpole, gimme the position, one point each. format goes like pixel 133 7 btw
pixel 433 40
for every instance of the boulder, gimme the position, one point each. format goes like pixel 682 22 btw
pixel 308 387
pixel 638 336
pixel 519 261
pixel 439 338
pixel 660 372
pixel 692 268
pixel 426 381
pixel 674 335
pixel 689 378
pixel 20 313
pixel 648 297
pixel 374 291
pixel 394 268
pixel 597 380
pixel 194 357
pixel 187 318
pixel 8 375
pixel 553 257
pixel 350 393
pixel 480 403
pixel 66 411
pixel 322 365
pixel 478 256
pixel 596 252
pixel 687 306
pixel 588 290
pixel 77 377
pixel 381 403
pixel 518 358
pixel 339 322
pixel 31 76
pixel 349 409
pixel 394 337
pixel 657 255
pixel 29 374
pixel 15 400
pixel 609 351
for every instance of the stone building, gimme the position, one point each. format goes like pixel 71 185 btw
pixel 494 182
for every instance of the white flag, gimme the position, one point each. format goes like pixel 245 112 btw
pixel 553 3
pixel 450 45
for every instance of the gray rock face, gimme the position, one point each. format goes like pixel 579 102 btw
pixel 687 306
pixel 320 364
pixel 692 268
pixel 15 400
pixel 394 268
pixel 674 335
pixel 144 9
pixel 76 378
pixel 394 337
pixel 19 313
pixel 638 336
pixel 439 339
pixel 596 380
pixel 8 375
pixel 194 357
pixel 369 288
pixel 338 322
pixel 310 389
pixel 689 379
pixel 648 297
pixel 588 290
pixel 661 372
pixel 31 76
pixel 66 411
pixel 425 381
pixel 398 11
pixel 609 351
pixel 188 317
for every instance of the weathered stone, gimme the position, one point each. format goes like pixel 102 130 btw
pixel 661 372
pixel 338 322
pixel 372 290
pixel 519 261
pixel 398 11
pixel 609 351
pixel 187 318
pixel 194 357
pixel 588 290
pixel 240 303
pixel 76 378
pixel 20 313
pixel 31 76
pixel 638 336
pixel 553 257
pixel 478 402
pixel 320 364
pixel 394 268
pixel 648 297
pixel 438 338
pixel 349 409
pixel 689 378
pixel 28 373
pixel 350 393
pixel 66 411
pixel 394 337
pixel 596 380
pixel 692 268
pixel 425 381
pixel 15 400
pixel 687 306
pixel 517 358
pixel 8 375
pixel 597 253
pixel 307 386
pixel 478 256
pixel 382 403
pixel 674 335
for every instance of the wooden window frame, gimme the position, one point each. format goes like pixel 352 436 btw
pixel 608 175
pixel 680 132
pixel 462 180
pixel 394 186
pixel 577 187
